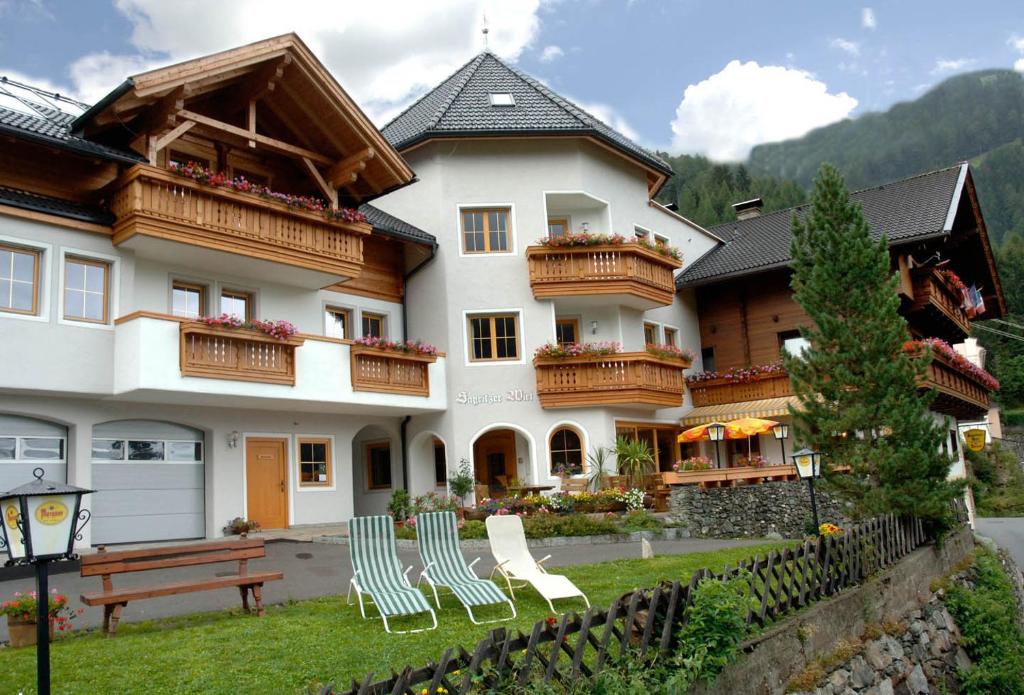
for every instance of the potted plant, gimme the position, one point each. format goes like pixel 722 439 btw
pixel 461 484
pixel 598 462
pixel 634 458
pixel 398 507
pixel 240 525
pixel 21 616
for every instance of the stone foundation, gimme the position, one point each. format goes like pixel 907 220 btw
pixel 751 511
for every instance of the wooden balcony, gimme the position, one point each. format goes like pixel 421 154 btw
pixel 153 205
pixel 728 477
pixel 937 308
pixel 722 391
pixel 629 378
pixel 387 371
pixel 633 275
pixel 236 354
pixel 960 394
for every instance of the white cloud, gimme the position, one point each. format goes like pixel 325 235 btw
pixel 1017 43
pixel 851 47
pixel 867 18
pixel 1019 65
pixel 551 53
pixel 384 53
pixel 943 65
pixel 747 104
pixel 609 116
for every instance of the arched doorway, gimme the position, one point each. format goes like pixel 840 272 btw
pixel 150 481
pixel 376 470
pixel 502 456
pixel 428 464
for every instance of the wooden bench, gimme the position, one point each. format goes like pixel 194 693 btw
pixel 106 564
pixel 654 485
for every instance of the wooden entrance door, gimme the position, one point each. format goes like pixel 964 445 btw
pixel 266 481
pixel 495 459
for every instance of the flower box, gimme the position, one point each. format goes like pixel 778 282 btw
pixel 23 632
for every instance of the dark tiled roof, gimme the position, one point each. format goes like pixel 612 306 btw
pixel 904 210
pixel 54 206
pixel 55 132
pixel 461 106
pixel 392 226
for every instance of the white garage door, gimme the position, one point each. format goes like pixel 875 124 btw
pixel 26 444
pixel 149 478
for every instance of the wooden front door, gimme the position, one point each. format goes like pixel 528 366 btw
pixel 495 455
pixel 266 481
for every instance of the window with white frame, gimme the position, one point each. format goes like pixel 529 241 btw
pixel 19 279
pixel 147 450
pixel 86 289
pixel 17 449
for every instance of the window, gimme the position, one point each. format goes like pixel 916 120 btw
pixel 707 359
pixel 792 343
pixel 236 303
pixel 671 336
pixel 954 444
pixel 373 325
pixel 558 227
pixel 338 323
pixel 494 337
pixel 314 463
pixel 378 465
pixel 485 231
pixel 440 465
pixel 641 233
pixel 659 239
pixel 19 280
pixel 17 448
pixel 566 452
pixel 567 331
pixel 502 99
pixel 651 333
pixel 85 289
pixel 188 300
pixel 148 450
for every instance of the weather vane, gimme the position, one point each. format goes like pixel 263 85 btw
pixel 485 31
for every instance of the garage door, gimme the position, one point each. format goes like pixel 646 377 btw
pixel 149 478
pixel 26 444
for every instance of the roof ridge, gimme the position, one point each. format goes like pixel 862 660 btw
pixel 427 93
pixel 478 60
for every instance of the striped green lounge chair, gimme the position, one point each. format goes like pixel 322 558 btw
pixel 444 565
pixel 377 572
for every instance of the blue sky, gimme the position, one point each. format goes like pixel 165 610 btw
pixel 698 76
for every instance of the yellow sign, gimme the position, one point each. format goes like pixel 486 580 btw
pixel 51 512
pixel 11 516
pixel 975 439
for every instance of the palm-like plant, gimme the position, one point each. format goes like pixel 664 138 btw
pixel 600 468
pixel 634 458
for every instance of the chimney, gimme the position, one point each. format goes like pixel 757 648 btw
pixel 748 208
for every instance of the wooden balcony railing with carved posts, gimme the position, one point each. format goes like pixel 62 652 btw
pixel 722 391
pixel 387 371
pixel 959 393
pixel 621 379
pixel 237 354
pixel 153 202
pixel 626 269
pixel 937 307
pixel 728 477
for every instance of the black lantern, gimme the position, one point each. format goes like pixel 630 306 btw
pixel 41 522
pixel 716 433
pixel 781 432
pixel 808 467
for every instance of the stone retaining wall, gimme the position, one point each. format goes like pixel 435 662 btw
pixel 751 511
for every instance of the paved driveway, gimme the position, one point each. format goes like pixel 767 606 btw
pixel 1008 533
pixel 310 570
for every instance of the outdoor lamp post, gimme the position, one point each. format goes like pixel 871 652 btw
pixel 41 524
pixel 808 467
pixel 716 433
pixel 781 431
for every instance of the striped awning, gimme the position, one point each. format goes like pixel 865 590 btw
pixel 765 408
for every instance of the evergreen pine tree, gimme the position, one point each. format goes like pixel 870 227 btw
pixel 857 387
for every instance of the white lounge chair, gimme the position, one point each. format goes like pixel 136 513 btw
pixel 515 562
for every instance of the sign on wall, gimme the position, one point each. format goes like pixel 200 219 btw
pixel 510 396
pixel 975 439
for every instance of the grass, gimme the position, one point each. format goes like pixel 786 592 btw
pixel 304 644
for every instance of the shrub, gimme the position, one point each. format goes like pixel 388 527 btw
pixel 468 530
pixel 640 520
pixel 461 484
pixel 239 525
pixel 398 507
pixel 549 525
pixel 991 635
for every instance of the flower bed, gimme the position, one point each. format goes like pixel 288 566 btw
pixel 592 239
pixel 279 330
pixel 570 350
pixel 740 374
pixel 406 347
pixel 550 525
pixel 963 364
pixel 200 174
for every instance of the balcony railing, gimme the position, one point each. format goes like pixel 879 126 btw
pixel 727 477
pixel 623 269
pixel 721 391
pixel 237 354
pixel 938 307
pixel 960 394
pixel 622 379
pixel 156 203
pixel 386 371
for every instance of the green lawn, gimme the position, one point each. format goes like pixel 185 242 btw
pixel 302 644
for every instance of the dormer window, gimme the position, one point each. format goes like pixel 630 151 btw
pixel 502 99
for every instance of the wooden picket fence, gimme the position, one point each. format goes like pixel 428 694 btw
pixel 648 620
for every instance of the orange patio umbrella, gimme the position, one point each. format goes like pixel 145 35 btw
pixel 749 426
pixel 700 432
